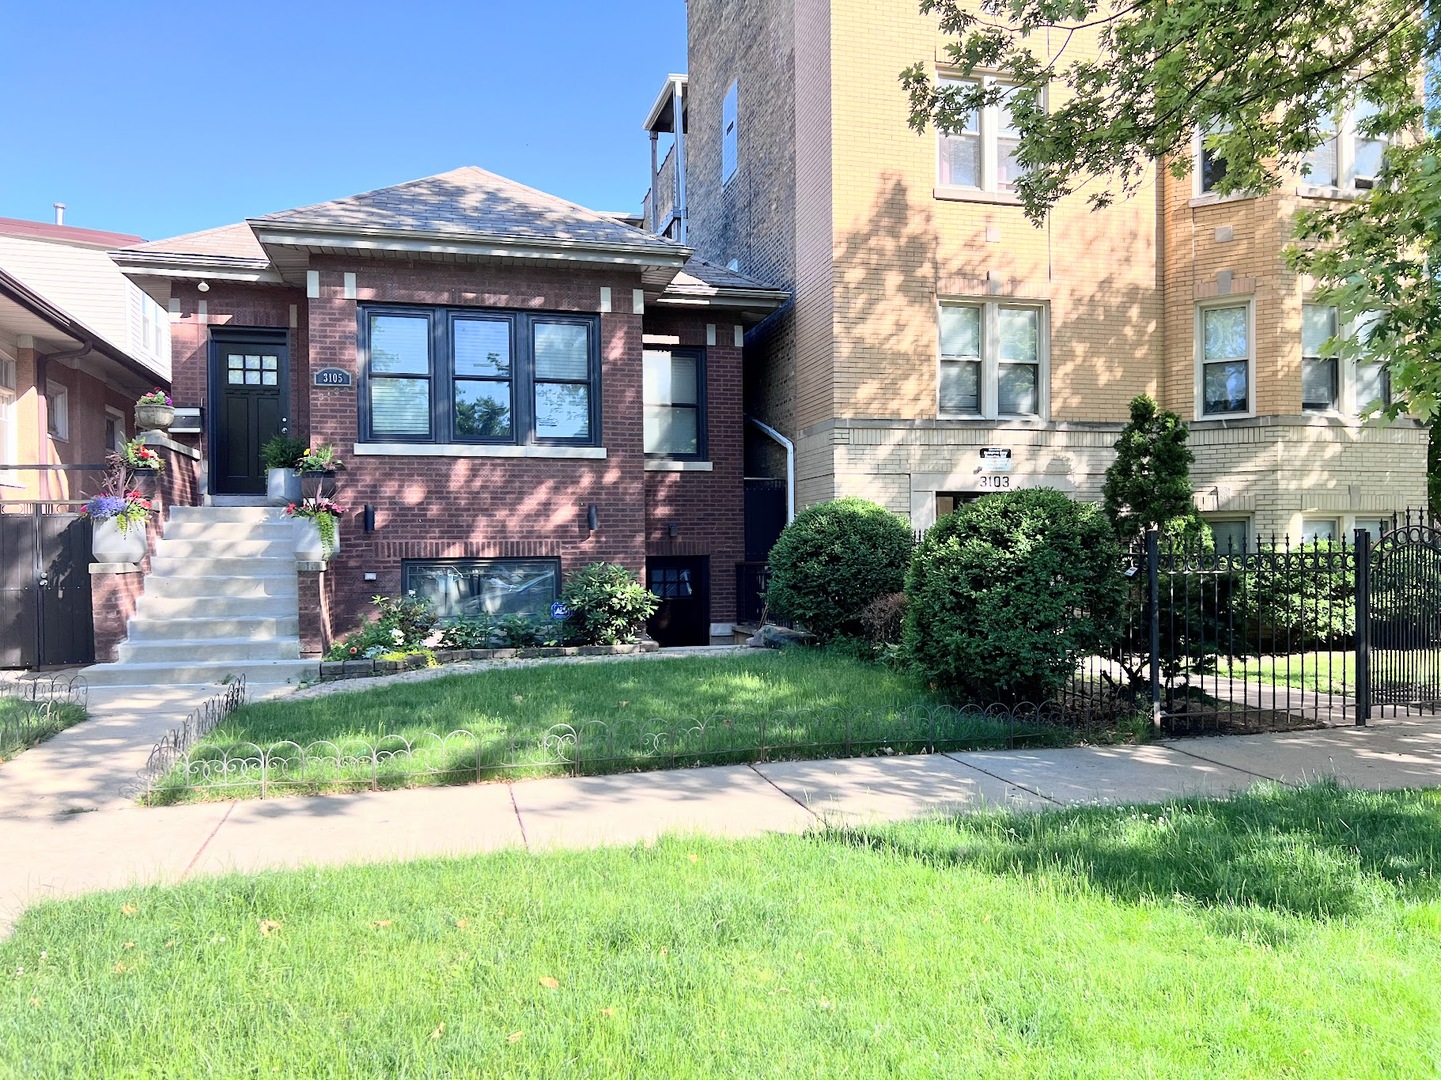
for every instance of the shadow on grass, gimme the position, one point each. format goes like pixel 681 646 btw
pixel 1321 851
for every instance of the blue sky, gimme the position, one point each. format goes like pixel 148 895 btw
pixel 158 119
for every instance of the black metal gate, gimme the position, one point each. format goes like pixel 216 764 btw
pixel 45 616
pixel 1398 638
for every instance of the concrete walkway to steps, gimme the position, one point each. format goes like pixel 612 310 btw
pixel 71 853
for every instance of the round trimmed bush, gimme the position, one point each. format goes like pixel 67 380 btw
pixel 608 605
pixel 1009 592
pixel 833 560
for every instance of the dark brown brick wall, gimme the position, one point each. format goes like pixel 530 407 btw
pixel 112 602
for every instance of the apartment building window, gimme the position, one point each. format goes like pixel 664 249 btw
pixel 982 153
pixel 674 403
pixel 1210 167
pixel 1320 387
pixel 469 375
pixel 1230 534
pixel 729 133
pixel 1223 377
pixel 1318 529
pixel 57 410
pixel 1346 159
pixel 1371 382
pixel 992 356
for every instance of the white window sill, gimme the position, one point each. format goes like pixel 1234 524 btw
pixel 965 194
pixel 673 465
pixel 1212 199
pixel 1004 418
pixel 1225 416
pixel 1339 194
pixel 473 450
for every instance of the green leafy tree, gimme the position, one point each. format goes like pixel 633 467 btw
pixel 1265 81
pixel 1149 483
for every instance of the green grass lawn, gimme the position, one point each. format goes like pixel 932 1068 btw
pixel 1284 933
pixel 630 714
pixel 23 723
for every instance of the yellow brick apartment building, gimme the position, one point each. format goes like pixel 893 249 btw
pixel 938 346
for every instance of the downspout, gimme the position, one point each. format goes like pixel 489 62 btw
pixel 790 449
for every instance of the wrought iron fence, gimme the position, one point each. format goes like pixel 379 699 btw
pixel 32 710
pixel 247 769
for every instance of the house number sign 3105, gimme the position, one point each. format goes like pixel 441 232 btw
pixel 334 376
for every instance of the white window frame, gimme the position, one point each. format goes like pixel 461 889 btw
pixel 1338 399
pixel 730 132
pixel 57 410
pixel 988 135
pixel 119 418
pixel 1345 139
pixel 1348 403
pixel 1197 190
pixel 990 358
pixel 1199 358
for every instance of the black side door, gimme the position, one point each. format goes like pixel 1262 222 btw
pixel 249 388
pixel 683 584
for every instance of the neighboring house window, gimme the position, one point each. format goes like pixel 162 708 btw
pixel 1224 359
pixel 477 375
pixel 981 154
pixel 1346 159
pixel 1230 534
pixel 480 588
pixel 1377 527
pixel 1210 166
pixel 1320 387
pixel 1371 381
pixel 991 361
pixel 1317 529
pixel 114 429
pixel 728 133
pixel 674 403
pixel 8 449
pixel 57 410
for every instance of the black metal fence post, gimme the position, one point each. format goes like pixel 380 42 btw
pixel 1363 627
pixel 1153 589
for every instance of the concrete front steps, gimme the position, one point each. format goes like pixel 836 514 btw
pixel 221 600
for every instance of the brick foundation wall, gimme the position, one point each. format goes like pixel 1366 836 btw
pixel 112 601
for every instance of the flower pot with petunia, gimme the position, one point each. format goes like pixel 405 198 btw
pixel 139 466
pixel 281 457
pixel 317 468
pixel 154 411
pixel 118 526
pixel 317 528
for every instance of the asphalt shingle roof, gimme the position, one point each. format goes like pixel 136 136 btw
pixel 227 241
pixel 471 201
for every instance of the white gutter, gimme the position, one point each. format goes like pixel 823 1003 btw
pixel 790 449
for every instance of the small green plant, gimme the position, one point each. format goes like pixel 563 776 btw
pixel 1009 592
pixel 520 631
pixel 281 452
pixel 469 632
pixel 402 625
pixel 607 603
pixel 833 560
pixel 323 512
pixel 318 459
pixel 135 457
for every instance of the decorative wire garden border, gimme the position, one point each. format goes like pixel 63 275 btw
pixel 177 743
pixel 40 701
pixel 463 756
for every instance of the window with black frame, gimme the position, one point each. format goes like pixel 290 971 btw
pixel 674 403
pixel 484 588
pixel 471 375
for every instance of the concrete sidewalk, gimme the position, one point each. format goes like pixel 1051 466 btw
pixel 63 854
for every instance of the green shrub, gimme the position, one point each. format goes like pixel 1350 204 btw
pixel 402 624
pixel 608 605
pixel 1009 592
pixel 1149 482
pixel 469 632
pixel 832 561
pixel 522 631
pixel 1304 599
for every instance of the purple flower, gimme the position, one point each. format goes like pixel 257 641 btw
pixel 105 507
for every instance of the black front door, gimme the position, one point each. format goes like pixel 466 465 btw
pixel 683 584
pixel 249 375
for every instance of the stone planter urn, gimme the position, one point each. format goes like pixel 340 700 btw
pixel 309 547
pixel 109 545
pixel 154 417
pixel 282 486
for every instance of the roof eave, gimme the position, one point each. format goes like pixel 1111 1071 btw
pixel 180 265
pixel 769 299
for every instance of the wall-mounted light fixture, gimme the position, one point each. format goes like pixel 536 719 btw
pixel 592 519
pixel 204 286
pixel 368 517
pixel 673 529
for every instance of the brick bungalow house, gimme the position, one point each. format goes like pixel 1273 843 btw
pixel 518 387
